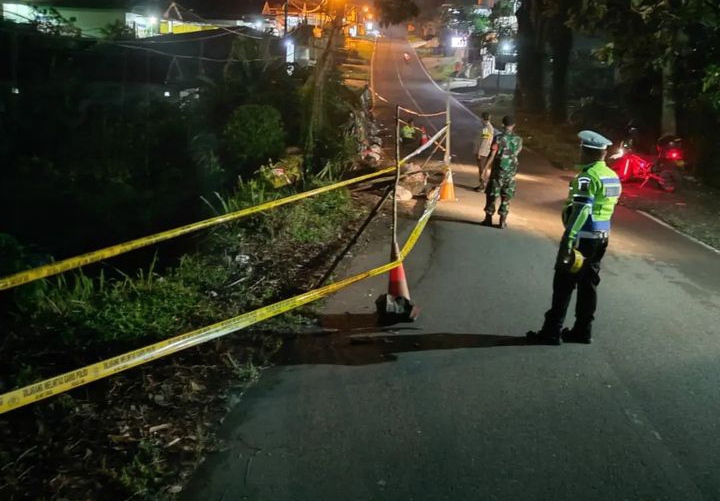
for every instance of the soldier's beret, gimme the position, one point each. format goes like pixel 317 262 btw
pixel 591 139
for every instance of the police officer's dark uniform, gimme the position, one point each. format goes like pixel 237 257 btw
pixel 594 192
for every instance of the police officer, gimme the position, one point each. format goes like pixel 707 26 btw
pixel 594 192
pixel 407 133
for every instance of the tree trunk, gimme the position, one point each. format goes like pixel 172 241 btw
pixel 529 93
pixel 668 120
pixel 561 42
pixel 322 68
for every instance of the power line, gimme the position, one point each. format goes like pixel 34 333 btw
pixel 196 58
pixel 198 39
pixel 199 17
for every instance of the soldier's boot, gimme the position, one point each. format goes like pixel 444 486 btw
pixel 488 220
pixel 503 222
pixel 544 337
pixel 577 335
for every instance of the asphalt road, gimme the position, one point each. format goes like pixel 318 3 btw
pixel 456 406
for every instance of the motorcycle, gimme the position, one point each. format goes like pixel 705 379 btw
pixel 664 167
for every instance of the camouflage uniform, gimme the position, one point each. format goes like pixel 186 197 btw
pixel 502 177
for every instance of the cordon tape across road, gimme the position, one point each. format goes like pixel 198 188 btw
pixel 79 377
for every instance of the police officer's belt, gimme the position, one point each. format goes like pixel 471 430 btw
pixel 594 234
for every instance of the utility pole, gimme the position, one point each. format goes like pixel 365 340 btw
pixel 286 18
pixel 447 158
pixel 394 252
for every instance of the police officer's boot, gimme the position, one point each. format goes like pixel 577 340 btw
pixel 503 222
pixel 488 220
pixel 577 335
pixel 544 337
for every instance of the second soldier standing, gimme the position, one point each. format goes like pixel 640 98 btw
pixel 505 150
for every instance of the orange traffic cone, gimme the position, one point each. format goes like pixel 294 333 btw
pixel 447 188
pixel 423 136
pixel 395 306
pixel 398 286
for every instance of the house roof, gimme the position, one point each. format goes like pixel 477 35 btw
pixel 221 9
pixel 94 4
pixel 294 5
pixel 209 9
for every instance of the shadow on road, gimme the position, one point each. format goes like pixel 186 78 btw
pixel 359 340
pixel 466 186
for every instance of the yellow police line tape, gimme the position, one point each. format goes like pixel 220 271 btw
pixel 423 147
pixel 73 379
pixel 417 113
pixel 51 269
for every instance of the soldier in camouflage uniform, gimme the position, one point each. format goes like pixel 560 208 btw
pixel 506 148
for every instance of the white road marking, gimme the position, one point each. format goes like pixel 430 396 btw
pixel 669 227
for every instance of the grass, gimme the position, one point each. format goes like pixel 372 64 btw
pixel 439 68
pixel 363 48
pixel 77 319
pixel 358 67
pixel 355 72
pixel 142 475
pixel 316 220
pixel 91 312
pixel 557 143
pixel 246 264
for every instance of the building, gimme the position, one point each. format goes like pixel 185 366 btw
pixel 141 18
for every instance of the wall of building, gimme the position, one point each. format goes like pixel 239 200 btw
pixel 92 21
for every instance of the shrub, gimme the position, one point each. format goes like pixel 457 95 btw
pixel 253 134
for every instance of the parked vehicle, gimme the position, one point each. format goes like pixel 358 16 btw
pixel 663 167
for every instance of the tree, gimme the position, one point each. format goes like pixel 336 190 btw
pixel 117 31
pixel 560 39
pixel 481 24
pixel 51 22
pixel 649 36
pixel 502 8
pixel 396 11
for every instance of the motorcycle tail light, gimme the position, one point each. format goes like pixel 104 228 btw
pixel 674 154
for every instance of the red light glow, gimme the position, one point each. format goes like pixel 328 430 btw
pixel 674 154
